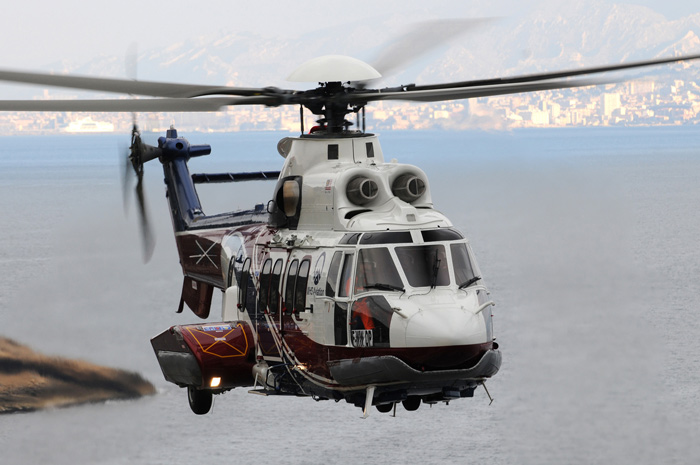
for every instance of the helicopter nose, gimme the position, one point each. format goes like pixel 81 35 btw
pixel 445 327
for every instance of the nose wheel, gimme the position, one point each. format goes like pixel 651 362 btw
pixel 200 400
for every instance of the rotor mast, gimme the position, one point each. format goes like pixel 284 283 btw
pixel 331 107
pixel 332 101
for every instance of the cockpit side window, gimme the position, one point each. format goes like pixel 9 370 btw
pixel 346 277
pixel 376 270
pixel 332 280
pixel 464 270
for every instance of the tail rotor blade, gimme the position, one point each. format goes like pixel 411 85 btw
pixel 125 172
pixel 147 237
pixel 136 159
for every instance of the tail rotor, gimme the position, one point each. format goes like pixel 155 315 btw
pixel 140 153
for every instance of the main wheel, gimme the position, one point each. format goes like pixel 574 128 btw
pixel 385 408
pixel 411 403
pixel 200 400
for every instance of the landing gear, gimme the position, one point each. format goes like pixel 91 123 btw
pixel 200 400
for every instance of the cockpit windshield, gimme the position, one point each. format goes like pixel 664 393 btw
pixel 424 265
pixel 376 270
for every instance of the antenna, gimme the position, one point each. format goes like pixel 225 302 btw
pixel 301 118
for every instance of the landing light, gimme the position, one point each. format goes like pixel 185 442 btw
pixel 215 382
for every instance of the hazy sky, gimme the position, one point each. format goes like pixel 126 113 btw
pixel 36 33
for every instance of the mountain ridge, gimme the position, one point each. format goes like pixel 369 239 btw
pixel 546 39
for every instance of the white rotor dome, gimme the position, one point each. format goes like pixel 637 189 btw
pixel 333 68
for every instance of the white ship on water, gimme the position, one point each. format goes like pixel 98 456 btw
pixel 88 125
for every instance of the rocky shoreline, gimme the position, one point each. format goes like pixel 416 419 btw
pixel 31 381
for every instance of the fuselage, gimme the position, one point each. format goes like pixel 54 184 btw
pixel 349 278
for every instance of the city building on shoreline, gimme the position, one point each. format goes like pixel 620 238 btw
pixel 634 103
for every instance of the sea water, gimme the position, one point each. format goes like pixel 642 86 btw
pixel 587 239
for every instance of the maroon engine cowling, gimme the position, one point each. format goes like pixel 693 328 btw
pixel 193 355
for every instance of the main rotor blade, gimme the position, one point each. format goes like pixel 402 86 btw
pixel 421 39
pixel 141 105
pixel 503 86
pixel 436 95
pixel 125 86
pixel 556 74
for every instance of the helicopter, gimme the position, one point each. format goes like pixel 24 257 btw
pixel 348 284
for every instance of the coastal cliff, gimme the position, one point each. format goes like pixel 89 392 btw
pixel 32 381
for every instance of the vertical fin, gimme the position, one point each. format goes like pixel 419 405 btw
pixel 197 295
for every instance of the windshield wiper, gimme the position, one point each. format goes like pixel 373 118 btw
pixel 469 282
pixel 385 287
pixel 436 270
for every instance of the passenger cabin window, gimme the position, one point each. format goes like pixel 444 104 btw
pixel 376 270
pixel 264 285
pixel 243 288
pixel 424 265
pixel 288 304
pixel 275 286
pixel 300 288
pixel 332 279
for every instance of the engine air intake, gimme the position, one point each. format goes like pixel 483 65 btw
pixel 408 187
pixel 362 190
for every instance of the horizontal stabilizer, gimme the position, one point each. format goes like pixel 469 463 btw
pixel 202 178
